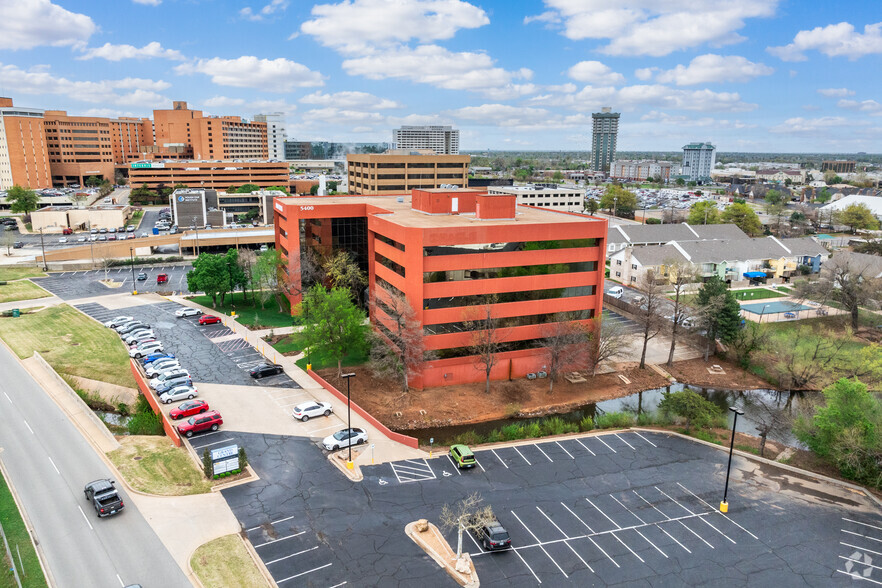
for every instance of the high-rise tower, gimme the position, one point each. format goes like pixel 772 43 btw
pixel 603 141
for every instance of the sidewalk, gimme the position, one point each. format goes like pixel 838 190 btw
pixel 45 301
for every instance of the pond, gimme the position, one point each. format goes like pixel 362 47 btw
pixel 646 402
pixel 113 418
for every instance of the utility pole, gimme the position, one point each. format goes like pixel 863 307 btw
pixel 132 259
pixel 43 249
pixel 91 244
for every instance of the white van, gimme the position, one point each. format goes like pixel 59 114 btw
pixel 616 292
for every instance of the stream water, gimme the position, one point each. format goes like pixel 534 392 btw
pixel 647 402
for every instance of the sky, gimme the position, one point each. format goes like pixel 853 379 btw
pixel 747 75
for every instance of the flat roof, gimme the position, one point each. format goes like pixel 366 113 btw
pixel 404 215
pixel 222 234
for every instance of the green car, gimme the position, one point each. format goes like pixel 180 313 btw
pixel 462 456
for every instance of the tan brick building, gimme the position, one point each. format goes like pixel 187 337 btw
pixel 214 137
pixel 399 171
pixel 24 155
pixel 216 175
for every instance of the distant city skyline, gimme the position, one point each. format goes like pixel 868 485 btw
pixel 756 76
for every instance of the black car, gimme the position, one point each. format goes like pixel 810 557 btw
pixel 142 276
pixel 17 245
pixel 493 536
pixel 265 369
pixel 104 497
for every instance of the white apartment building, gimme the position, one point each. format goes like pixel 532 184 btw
pixel 443 140
pixel 626 169
pixel 276 135
pixel 554 198
pixel 699 160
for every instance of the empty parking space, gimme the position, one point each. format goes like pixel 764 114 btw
pixel 629 326
pixel 71 285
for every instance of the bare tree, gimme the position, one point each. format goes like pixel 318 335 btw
pixel 751 338
pixel 397 348
pixel 680 275
pixel 563 343
pixel 800 365
pixel 468 514
pixel 105 263
pixel 771 417
pixel 486 339
pixel 343 272
pixel 848 279
pixel 648 316
pixel 8 241
pixel 606 339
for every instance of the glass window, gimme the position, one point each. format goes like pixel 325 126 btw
pixel 513 246
pixel 509 272
pixel 476 300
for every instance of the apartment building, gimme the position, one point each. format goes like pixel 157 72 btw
pixel 275 133
pixel 699 160
pixel 398 171
pixel 622 236
pixel 796 176
pixel 453 255
pixel 640 171
pixel 443 140
pixel 604 137
pixel 550 196
pixel 24 154
pixel 216 175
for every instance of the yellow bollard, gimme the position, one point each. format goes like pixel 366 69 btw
pixel 350 465
pixel 724 507
pixel 309 367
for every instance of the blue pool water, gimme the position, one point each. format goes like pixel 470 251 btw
pixel 774 307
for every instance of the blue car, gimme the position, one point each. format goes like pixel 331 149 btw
pixel 155 356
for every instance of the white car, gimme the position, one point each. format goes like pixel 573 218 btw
pixel 179 393
pixel 81 239
pixel 145 349
pixel 63 240
pixel 115 322
pixel 308 410
pixel 188 312
pixel 140 337
pixel 157 367
pixel 143 234
pixel 345 438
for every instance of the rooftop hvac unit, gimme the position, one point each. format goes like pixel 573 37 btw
pixel 400 199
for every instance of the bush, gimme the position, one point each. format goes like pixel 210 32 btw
pixel 653 221
pixel 145 421
pixel 494 436
pixel 586 424
pixel 706 436
pixel 533 430
pixel 123 409
pixel 691 407
pixel 243 459
pixel 512 432
pixel 467 438
pixel 206 463
pixel 557 426
pixel 615 420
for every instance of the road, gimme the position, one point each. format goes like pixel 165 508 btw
pixel 49 462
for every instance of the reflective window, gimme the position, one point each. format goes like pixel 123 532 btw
pixel 514 246
pixel 509 272
pixel 475 300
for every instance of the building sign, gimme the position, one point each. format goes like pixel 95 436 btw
pixel 190 198
pixel 148 165
pixel 225 459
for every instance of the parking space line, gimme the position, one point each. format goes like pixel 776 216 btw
pixel 455 467
pixel 338 585
pixel 590 530
pixel 271 522
pixel 861 548
pixel 660 528
pixel 864 524
pixel 623 441
pixel 528 565
pixel 642 522
pixel 603 513
pixel 311 431
pixel 304 573
pixel 579 441
pixel 209 444
pixel 718 512
pixel 567 537
pixel 500 460
pixel 668 519
pixel 292 555
pixel 860 562
pixel 545 454
pixel 843 530
pixel 700 517
pixel 618 528
pixel 605 443
pixel 564 450
pixel 644 438
pixel 479 465
pixel 858 577
pixel 542 547
pixel 522 455
pixel 279 539
pixel 475 541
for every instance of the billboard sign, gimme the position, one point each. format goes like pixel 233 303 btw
pixel 147 165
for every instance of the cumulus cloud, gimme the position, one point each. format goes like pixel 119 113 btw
pixel 835 40
pixel 594 72
pixel 112 52
pixel 247 108
pixel 810 126
pixel 271 75
pixel 344 116
pixel 868 106
pixel 655 95
pixel 148 2
pixel 710 68
pixel 652 27
pixel 836 92
pixel 645 74
pixel 267 11
pixel 25 24
pixel 685 121
pixel 435 65
pixel 353 25
pixel 350 100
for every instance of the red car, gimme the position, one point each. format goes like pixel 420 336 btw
pixel 162 278
pixel 188 408
pixel 202 422
pixel 209 319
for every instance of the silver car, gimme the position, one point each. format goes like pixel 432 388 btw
pixel 179 393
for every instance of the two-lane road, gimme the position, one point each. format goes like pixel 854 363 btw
pixel 49 462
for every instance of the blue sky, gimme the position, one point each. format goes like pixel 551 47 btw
pixel 748 75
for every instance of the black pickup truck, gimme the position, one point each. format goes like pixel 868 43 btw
pixel 104 497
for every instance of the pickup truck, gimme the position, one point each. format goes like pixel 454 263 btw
pixel 104 497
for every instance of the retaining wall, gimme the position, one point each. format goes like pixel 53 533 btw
pixel 167 425
pixel 398 437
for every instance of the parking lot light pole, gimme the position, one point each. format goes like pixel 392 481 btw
pixel 724 506
pixel 43 248
pixel 348 417
pixel 132 259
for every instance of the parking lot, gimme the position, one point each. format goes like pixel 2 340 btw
pixel 86 283
pixel 608 509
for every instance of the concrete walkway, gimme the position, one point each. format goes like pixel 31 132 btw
pixel 33 302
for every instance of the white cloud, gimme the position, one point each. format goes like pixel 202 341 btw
pixel 25 24
pixel 654 27
pixel 271 75
pixel 353 25
pixel 645 74
pixel 835 92
pixel 112 52
pixel 685 121
pixel 591 98
pixel 222 102
pixel 594 72
pixel 435 65
pixel 40 81
pixel 273 7
pixel 344 116
pixel 350 100
pixel 810 126
pixel 246 107
pixel 503 115
pixel 869 106
pixel 710 68
pixel 148 2
pixel 835 40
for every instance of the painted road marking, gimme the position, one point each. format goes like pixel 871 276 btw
pixel 210 444
pixel 271 522
pixel 53 465
pixel 292 555
pixel 519 453
pixel 859 577
pixel 605 443
pixel 564 449
pixel 413 471
pixel 85 517
pixel 618 528
pixel 623 441
pixel 456 467
pixel 304 573
pixel 565 543
pixel 690 512
pixel 540 543
pixel 28 426
pixel 579 441
pixel 279 539
pixel 493 451
pixel 644 438
pixel 642 522
pixel 707 504
pixel 8 398
pixel 864 524
pixel 545 454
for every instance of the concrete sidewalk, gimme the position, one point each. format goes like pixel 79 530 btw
pixel 33 302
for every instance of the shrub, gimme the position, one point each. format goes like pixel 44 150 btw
pixel 467 438
pixel 512 432
pixel 206 463
pixel 706 436
pixel 586 424
pixel 691 407
pixel 243 459
pixel 614 420
pixel 123 409
pixel 494 436
pixel 533 430
pixel 145 421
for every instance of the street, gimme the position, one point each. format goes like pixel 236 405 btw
pixel 49 462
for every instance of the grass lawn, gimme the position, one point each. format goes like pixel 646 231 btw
pixel 17 272
pixel 71 342
pixel 225 563
pixel 288 344
pixel 163 468
pixel 31 574
pixel 21 290
pixel 320 362
pixel 757 294
pixel 248 314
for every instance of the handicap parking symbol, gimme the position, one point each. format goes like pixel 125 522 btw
pixel 383 482
pixel 446 473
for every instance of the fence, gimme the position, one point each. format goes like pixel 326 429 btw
pixel 169 428
pixel 398 437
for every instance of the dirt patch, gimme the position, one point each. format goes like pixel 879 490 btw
pixel 868 335
pixel 694 372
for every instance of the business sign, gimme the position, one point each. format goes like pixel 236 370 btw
pixel 225 459
pixel 148 165
pixel 190 198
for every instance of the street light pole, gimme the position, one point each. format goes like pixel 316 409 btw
pixel 349 417
pixel 195 228
pixel 43 249
pixel 724 506
pixel 91 245
pixel 132 259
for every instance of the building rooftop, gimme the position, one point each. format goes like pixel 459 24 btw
pixel 719 251
pixel 638 234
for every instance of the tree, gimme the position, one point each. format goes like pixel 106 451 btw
pixel 690 406
pixel 846 279
pixel 247 261
pixel 209 275
pixel 823 196
pixel 558 176
pixel 279 189
pixel 774 197
pixel 704 213
pixel 692 183
pixel 336 327
pixel 744 217
pixel 856 216
pixel 486 337
pixel 619 201
pixel 751 338
pixel 467 514
pixel 800 366
pixel 680 182
pixel 247 188
pixel 22 200
pixel 770 416
pixel 397 349
pixel 649 316
pixel 563 340
pixel 591 206
pixel 8 239
pixel 680 275
pixel 718 312
pixel 235 274
pixel 343 272
pixel 830 178
pixel 606 340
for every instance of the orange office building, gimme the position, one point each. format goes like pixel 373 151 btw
pixel 24 154
pixel 452 254
pixel 209 137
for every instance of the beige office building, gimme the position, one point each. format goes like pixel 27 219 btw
pixel 400 171
pixel 552 198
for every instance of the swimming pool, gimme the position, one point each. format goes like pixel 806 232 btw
pixel 774 307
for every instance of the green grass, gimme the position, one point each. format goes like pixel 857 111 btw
pixel 21 290
pixel 17 272
pixel 225 563
pixel 71 342
pixel 757 294
pixel 288 344
pixel 163 469
pixel 31 574
pixel 249 314
pixel 319 361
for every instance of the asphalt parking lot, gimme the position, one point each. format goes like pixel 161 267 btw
pixel 86 283
pixel 629 326
pixel 603 510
